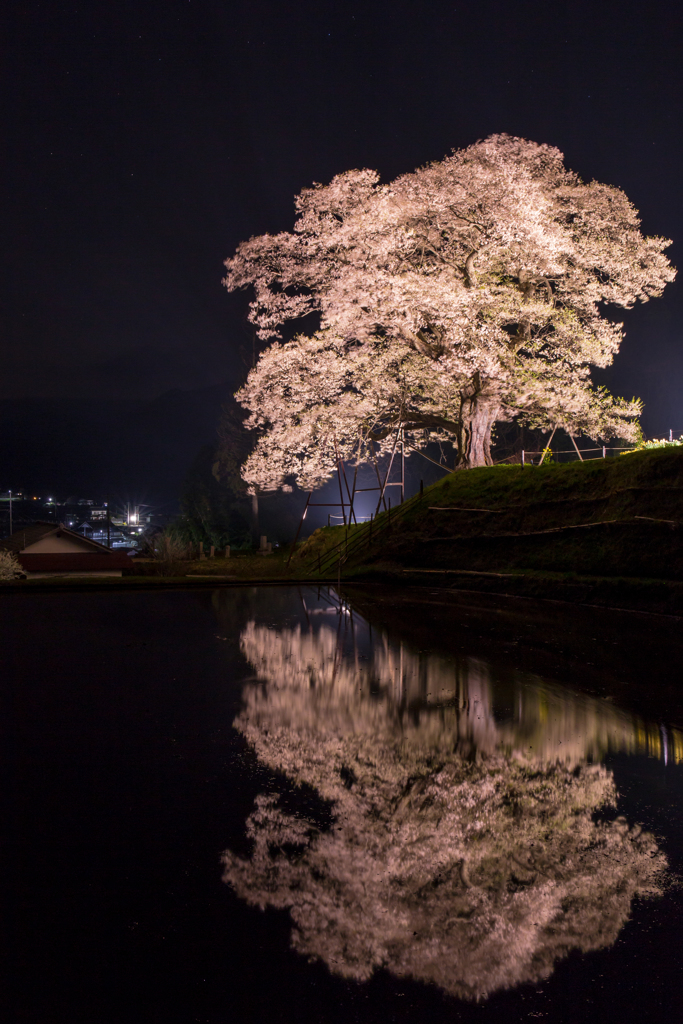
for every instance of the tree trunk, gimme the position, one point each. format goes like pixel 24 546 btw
pixel 478 417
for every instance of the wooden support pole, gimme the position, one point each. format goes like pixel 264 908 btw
pixel 353 494
pixel 577 449
pixel 547 446
pixel 341 491
pixel 346 484
pixel 298 529
pixel 379 479
pixel 340 462
pixel 430 459
pixel 391 462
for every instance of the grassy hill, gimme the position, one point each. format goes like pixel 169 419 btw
pixel 617 518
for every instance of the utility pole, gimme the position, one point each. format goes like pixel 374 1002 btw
pixel 108 523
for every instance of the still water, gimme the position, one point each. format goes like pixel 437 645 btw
pixel 283 804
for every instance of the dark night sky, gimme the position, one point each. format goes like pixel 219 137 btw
pixel 144 140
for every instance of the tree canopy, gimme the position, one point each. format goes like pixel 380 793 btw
pixel 448 847
pixel 469 291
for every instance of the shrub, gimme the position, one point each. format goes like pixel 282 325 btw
pixel 10 569
pixel 169 552
pixel 644 445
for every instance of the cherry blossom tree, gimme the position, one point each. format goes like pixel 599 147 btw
pixel 469 291
pixel 461 852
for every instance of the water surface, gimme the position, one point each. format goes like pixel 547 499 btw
pixel 273 804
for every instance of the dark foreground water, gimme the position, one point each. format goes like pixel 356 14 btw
pixel 265 805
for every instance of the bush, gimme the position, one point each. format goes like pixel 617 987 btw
pixel 169 552
pixel 644 445
pixel 10 569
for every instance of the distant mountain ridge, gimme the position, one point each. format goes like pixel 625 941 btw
pixel 130 450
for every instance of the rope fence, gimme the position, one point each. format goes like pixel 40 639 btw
pixel 577 453
pixel 583 454
pixel 359 519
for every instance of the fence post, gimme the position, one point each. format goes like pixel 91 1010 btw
pixel 522 458
pixel 671 434
pixel 604 452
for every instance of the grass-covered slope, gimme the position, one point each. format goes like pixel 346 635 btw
pixel 618 517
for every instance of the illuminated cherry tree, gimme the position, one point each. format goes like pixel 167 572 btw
pixel 459 851
pixel 469 291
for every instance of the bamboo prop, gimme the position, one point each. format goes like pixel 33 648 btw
pixel 379 479
pixel 577 450
pixel 391 462
pixel 417 451
pixel 341 492
pixel 298 531
pixel 355 475
pixel 340 463
pixel 363 538
pixel 545 450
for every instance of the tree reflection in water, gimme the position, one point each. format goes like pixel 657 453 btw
pixel 464 850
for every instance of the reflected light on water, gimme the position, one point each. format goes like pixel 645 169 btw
pixel 466 850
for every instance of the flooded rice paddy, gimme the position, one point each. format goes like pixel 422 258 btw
pixel 286 804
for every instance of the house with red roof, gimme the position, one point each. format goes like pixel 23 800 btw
pixel 44 549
